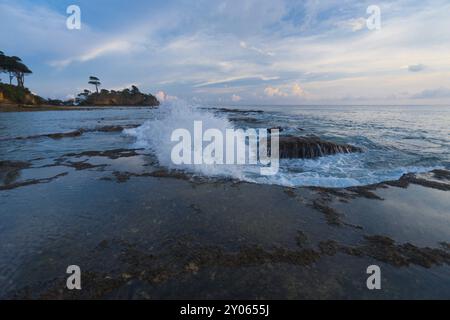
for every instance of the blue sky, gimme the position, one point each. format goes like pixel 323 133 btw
pixel 237 52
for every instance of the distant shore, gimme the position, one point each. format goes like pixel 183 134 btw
pixel 17 98
pixel 33 108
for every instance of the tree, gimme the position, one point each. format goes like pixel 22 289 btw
pixel 134 89
pixel 94 81
pixel 5 64
pixel 10 66
pixel 15 68
pixel 19 71
pixel 81 97
pixel 2 56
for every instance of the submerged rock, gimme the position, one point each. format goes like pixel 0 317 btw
pixel 10 170
pixel 311 147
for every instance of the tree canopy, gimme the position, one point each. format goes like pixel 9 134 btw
pixel 94 81
pixel 14 67
pixel 134 89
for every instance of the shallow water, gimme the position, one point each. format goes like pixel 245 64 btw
pixel 395 140
pixel 140 235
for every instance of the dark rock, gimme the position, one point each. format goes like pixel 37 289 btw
pixel 410 178
pixel 441 174
pixel 81 165
pixel 311 147
pixel 125 97
pixel 30 182
pixel 111 154
pixel 70 134
pixel 115 128
pixel 301 239
pixel 331 215
pixel 9 170
pixel 79 132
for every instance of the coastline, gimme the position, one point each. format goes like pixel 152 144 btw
pixel 19 98
pixel 293 244
pixel 225 156
pixel 30 108
pixel 163 239
pixel 33 108
pixel 76 190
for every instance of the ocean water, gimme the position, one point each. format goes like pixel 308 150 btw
pixel 108 214
pixel 395 139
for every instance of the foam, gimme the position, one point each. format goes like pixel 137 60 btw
pixel 341 170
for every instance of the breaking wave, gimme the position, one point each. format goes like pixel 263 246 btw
pixel 376 164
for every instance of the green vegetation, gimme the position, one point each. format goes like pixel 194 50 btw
pixel 18 95
pixel 14 67
pixel 125 97
pixel 11 95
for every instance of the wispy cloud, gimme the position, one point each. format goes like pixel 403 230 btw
pixel 354 24
pixel 119 47
pixel 416 67
pixel 433 93
pixel 285 50
pixel 244 45
pixel 235 79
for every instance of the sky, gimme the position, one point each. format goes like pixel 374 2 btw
pixel 245 52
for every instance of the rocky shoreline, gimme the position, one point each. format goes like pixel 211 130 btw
pixel 81 193
pixel 18 99
pixel 143 254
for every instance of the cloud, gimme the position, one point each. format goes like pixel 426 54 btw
pixel 274 92
pixel 235 98
pixel 433 94
pixel 253 48
pixel 244 45
pixel 297 90
pixel 115 46
pixel 354 24
pixel 234 80
pixel 294 90
pixel 416 67
pixel 163 97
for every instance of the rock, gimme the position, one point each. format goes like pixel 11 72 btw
pixel 311 147
pixel 192 267
pixel 14 95
pixel 120 98
pixel 70 134
pixel 10 170
pixel 441 174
